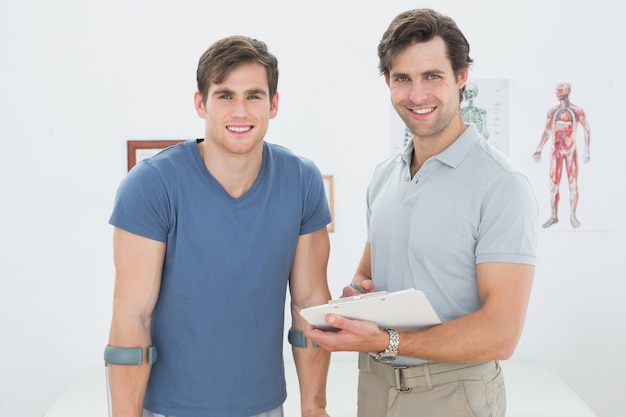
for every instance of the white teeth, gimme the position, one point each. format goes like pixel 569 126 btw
pixel 423 111
pixel 239 129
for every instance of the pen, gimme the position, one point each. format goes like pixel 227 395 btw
pixel 357 287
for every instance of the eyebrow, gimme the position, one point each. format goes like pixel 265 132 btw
pixel 427 72
pixel 228 91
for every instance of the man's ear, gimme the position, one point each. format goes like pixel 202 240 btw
pixel 274 106
pixel 386 74
pixel 198 101
pixel 462 78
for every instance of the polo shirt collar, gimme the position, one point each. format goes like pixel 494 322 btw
pixel 453 154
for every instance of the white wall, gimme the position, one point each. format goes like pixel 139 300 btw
pixel 77 79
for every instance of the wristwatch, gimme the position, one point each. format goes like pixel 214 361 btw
pixel 392 350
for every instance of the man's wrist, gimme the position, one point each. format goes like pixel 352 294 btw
pixel 391 351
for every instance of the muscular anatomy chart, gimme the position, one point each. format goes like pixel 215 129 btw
pixel 563 120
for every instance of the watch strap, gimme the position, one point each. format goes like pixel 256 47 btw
pixel 391 352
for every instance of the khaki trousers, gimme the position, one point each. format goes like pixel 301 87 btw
pixel 430 390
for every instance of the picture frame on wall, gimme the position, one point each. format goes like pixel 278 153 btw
pixel 329 187
pixel 142 149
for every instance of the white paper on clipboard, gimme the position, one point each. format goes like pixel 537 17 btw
pixel 400 310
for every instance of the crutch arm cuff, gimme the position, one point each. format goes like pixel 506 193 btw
pixel 128 356
pixel 297 339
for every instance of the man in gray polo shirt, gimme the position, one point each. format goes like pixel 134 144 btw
pixel 451 216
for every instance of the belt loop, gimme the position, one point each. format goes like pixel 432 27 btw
pixel 397 375
pixel 429 382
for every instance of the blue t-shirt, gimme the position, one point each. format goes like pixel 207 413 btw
pixel 219 320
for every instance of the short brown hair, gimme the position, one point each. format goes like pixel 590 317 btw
pixel 422 25
pixel 227 54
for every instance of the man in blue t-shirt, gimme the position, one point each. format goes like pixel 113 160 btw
pixel 208 236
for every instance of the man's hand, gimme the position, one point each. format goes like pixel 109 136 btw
pixel 351 336
pixel 355 288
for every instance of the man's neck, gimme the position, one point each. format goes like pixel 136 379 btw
pixel 427 147
pixel 236 173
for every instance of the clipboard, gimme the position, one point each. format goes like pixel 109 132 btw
pixel 401 310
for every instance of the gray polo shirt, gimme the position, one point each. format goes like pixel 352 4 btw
pixel 467 205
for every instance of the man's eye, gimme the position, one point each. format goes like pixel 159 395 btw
pixel 402 78
pixel 433 77
pixel 224 97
